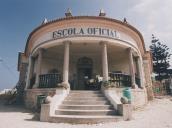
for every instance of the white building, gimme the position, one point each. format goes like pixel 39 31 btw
pixel 73 52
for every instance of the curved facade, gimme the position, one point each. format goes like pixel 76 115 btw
pixel 82 53
pixel 86 35
pixel 92 27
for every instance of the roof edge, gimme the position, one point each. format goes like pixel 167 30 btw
pixel 83 17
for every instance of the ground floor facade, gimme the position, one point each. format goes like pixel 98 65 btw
pixel 83 65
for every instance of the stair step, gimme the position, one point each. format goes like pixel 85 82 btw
pixel 85 92
pixel 83 102
pixel 86 98
pixel 84 112
pixel 77 119
pixel 85 95
pixel 86 107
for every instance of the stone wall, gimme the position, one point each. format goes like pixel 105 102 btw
pixel 147 64
pixel 138 97
pixel 22 68
pixel 32 94
pixel 21 83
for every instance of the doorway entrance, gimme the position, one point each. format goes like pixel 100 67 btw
pixel 84 71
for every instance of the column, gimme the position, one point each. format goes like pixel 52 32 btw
pixel 38 68
pixel 131 67
pixel 66 63
pixel 104 61
pixel 140 70
pixel 30 71
pixel 32 67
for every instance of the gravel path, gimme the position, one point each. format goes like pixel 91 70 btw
pixel 157 114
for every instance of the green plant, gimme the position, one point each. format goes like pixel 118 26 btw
pixel 9 97
pixel 63 85
pixel 108 84
pixel 161 57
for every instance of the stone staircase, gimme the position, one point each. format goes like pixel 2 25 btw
pixel 85 107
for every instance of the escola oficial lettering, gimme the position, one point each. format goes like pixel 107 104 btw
pixel 68 32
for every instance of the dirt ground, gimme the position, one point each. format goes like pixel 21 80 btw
pixel 157 114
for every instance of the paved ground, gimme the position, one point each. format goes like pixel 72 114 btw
pixel 157 114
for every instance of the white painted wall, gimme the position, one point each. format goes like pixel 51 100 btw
pixel 50 62
pixel 35 65
pixel 119 63
pixel 48 36
pixel 96 63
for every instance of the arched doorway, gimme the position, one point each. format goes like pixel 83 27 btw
pixel 84 71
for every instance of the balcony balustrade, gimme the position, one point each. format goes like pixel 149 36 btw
pixel 120 79
pixel 49 80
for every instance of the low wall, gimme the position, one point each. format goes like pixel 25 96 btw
pixel 138 99
pixel 139 96
pixel 48 110
pixel 112 96
pixel 31 96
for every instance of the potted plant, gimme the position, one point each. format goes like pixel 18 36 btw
pixel 108 84
pixel 63 85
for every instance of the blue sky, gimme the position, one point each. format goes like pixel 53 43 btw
pixel 19 17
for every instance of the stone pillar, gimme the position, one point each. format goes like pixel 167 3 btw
pixel 139 70
pixel 131 67
pixel 32 67
pixel 147 74
pixel 30 71
pixel 38 68
pixel 137 65
pixel 104 61
pixel 66 63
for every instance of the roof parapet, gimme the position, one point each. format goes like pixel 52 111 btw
pixel 45 21
pixel 125 20
pixel 68 13
pixel 102 13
